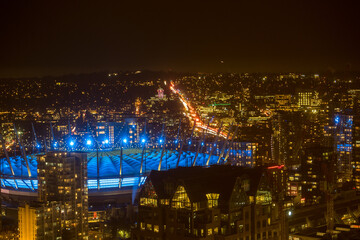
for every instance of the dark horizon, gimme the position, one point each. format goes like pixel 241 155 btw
pixel 203 36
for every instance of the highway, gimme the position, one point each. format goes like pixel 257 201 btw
pixel 193 116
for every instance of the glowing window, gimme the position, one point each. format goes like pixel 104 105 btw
pixel 180 199
pixel 213 199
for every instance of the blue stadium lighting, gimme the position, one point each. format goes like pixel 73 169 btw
pixel 107 169
pixel 88 142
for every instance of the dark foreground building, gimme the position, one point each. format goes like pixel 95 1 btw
pixel 219 202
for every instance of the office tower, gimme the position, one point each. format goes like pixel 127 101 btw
pixel 315 160
pixel 287 138
pixel 105 132
pixel 343 144
pixel 62 186
pixel 356 138
pixel 308 99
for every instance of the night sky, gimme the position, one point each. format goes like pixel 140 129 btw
pixel 61 37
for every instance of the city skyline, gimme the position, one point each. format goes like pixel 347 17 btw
pixel 216 120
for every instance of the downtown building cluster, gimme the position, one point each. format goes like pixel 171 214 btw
pixel 298 136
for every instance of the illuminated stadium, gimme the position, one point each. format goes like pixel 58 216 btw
pixel 104 167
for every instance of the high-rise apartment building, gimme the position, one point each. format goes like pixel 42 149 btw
pixel 343 144
pixel 62 209
pixel 356 138
pixel 287 138
pixel 39 220
pixel 27 222
pixel 315 161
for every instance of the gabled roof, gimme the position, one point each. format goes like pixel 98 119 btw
pixel 198 181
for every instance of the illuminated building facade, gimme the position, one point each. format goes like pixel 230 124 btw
pixel 355 96
pixel 27 222
pixel 40 221
pixel 315 161
pixel 308 99
pixel 160 94
pixel 219 202
pixel 62 178
pixel 277 176
pixel 343 144
pixel 132 130
pixel 287 138
pixel 105 132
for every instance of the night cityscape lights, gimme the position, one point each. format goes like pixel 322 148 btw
pixel 211 120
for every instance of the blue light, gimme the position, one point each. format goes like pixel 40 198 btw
pixel 189 142
pixel 202 144
pixel 55 144
pixel 106 141
pixel 161 141
pixel 72 143
pixel 88 142
pixel 337 120
pixel 38 145
pixel 143 140
pixel 176 141
pixel 124 140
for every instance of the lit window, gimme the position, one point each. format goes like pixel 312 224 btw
pixel 212 199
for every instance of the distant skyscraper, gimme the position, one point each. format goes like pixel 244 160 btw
pixel 343 146
pixel 160 92
pixel 308 99
pixel 62 180
pixel 105 132
pixel 287 138
pixel 356 138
